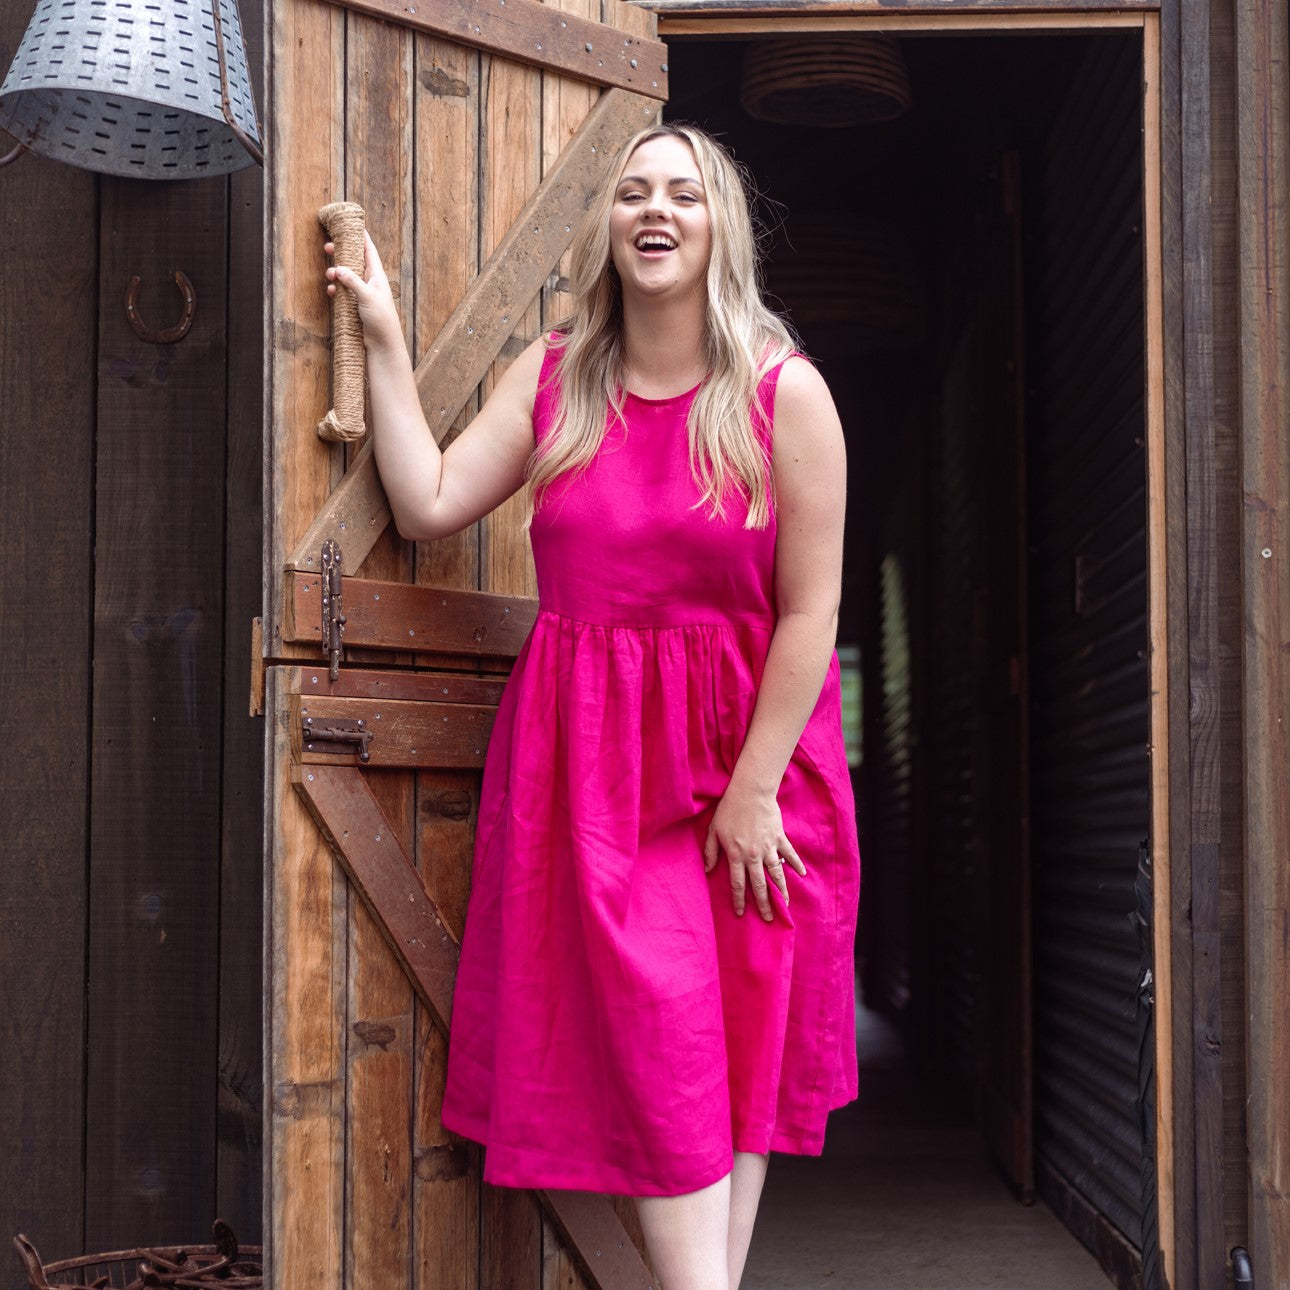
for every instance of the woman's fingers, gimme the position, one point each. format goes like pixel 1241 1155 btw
pixel 761 893
pixel 711 849
pixel 794 860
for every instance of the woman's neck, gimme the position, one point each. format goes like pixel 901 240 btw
pixel 663 347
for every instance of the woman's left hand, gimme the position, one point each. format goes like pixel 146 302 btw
pixel 749 828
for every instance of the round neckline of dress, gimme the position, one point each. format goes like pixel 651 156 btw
pixel 671 398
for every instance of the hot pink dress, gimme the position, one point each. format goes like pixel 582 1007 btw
pixel 615 1026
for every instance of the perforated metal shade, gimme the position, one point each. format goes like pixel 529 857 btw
pixel 134 87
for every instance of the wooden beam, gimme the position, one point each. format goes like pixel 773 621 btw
pixel 351 819
pixel 984 15
pixel 356 513
pixel 532 33
pixel 397 615
pixel 365 843
pixel 420 687
pixel 596 1236
pixel 417 735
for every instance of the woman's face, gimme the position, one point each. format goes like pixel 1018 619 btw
pixel 660 234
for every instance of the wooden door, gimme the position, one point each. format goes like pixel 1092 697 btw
pixel 473 135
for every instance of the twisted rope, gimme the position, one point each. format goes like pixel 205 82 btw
pixel 344 423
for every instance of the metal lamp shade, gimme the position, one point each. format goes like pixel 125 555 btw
pixel 841 80
pixel 134 87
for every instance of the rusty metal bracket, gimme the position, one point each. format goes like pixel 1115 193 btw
pixel 333 615
pixel 165 335
pixel 329 735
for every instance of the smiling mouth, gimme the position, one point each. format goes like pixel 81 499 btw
pixel 654 242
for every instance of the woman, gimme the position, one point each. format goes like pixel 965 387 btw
pixel 669 744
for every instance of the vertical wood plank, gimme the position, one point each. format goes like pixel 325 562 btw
pixel 304 909
pixel 1179 116
pixel 446 1174
pixel 447 242
pixel 445 1180
pixel 1157 557
pixel 306 114
pixel 1264 169
pixel 152 994
pixel 46 531
pixel 239 1182
pixel 379 1021
pixel 305 894
pixel 510 170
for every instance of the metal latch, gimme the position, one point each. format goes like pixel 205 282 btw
pixel 333 617
pixel 333 736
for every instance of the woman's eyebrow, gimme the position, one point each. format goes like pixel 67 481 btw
pixel 671 183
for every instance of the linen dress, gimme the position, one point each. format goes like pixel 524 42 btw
pixel 616 1027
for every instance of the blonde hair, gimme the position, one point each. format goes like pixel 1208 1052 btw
pixel 743 340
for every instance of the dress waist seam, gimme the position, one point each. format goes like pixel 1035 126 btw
pixel 703 623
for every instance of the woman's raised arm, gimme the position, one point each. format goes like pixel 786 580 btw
pixel 433 494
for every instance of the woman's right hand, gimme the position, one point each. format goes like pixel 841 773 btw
pixel 371 293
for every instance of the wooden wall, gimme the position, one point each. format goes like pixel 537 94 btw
pixel 130 799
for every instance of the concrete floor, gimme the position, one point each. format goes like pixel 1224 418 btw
pixel 905 1198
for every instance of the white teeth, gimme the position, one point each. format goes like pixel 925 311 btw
pixel 655 242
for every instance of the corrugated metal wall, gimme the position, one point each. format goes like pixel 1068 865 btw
pixel 1088 640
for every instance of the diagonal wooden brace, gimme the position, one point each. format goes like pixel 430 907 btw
pixel 356 513
pixel 365 843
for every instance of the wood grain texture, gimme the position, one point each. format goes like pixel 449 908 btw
pixel 537 36
pixel 379 1003
pixel 445 1185
pixel 307 940
pixel 305 905
pixel 305 110
pixel 393 616
pixel 510 172
pixel 447 246
pixel 47 372
pixel 404 735
pixel 1158 609
pixel 445 1181
pixel 152 997
pixel 1177 172
pixel 996 15
pixel 1263 125
pixel 469 342
pixel 239 1186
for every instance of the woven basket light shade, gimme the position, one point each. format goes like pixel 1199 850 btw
pixel 850 282
pixel 153 89
pixel 840 80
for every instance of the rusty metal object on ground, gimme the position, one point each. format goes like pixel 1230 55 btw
pixel 184 1267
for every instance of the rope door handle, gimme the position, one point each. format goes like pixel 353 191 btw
pixel 344 222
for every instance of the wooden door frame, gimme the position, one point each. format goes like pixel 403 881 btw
pixel 1173 472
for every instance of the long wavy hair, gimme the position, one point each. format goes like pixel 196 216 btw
pixel 743 339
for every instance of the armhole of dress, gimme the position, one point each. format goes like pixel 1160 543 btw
pixel 764 421
pixel 548 389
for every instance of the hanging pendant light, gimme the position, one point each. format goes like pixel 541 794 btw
pixel 840 80
pixel 154 89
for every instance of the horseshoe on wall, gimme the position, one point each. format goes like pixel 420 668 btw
pixel 12 155
pixel 168 335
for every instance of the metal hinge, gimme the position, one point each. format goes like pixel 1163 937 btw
pixel 327 735
pixel 333 617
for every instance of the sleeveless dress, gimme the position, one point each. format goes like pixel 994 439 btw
pixel 615 1026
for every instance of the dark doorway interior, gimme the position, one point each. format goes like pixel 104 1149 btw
pixel 969 277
